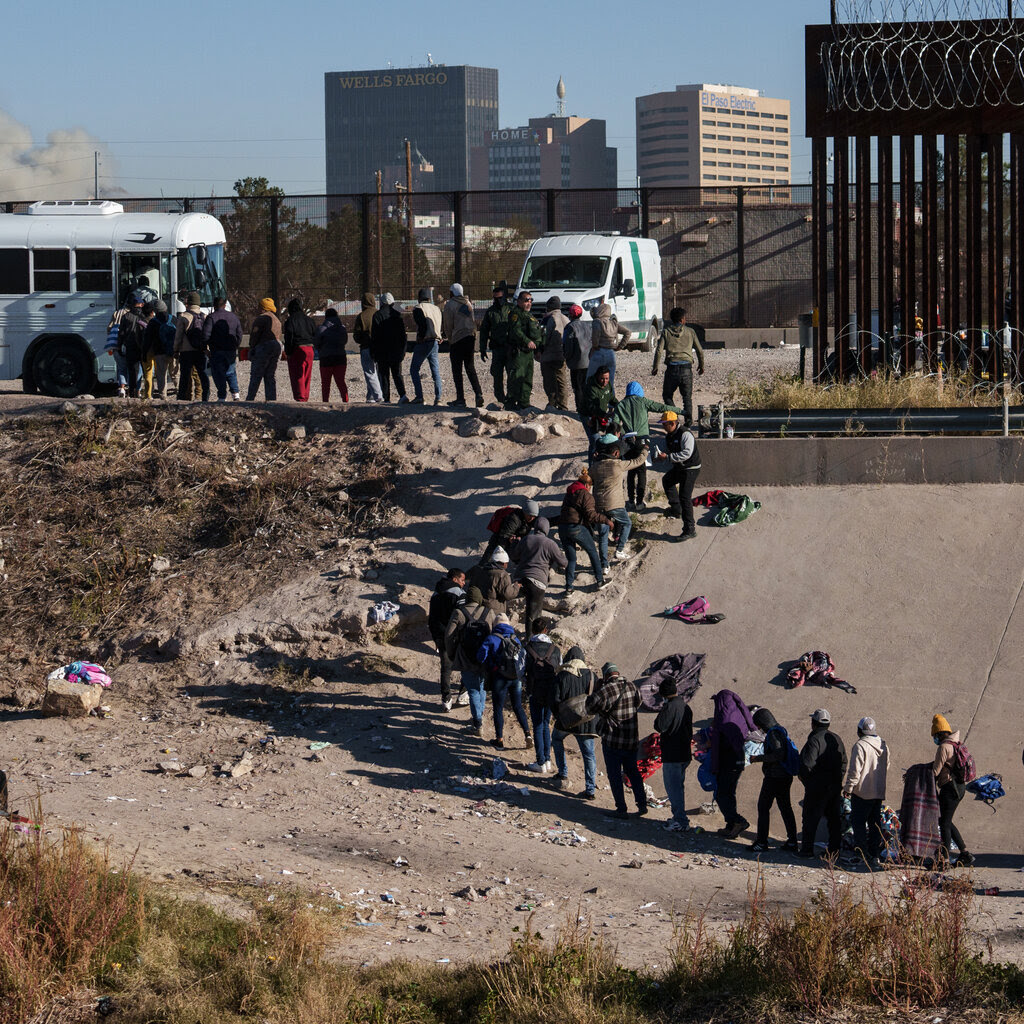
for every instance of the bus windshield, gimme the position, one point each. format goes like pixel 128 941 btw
pixel 565 272
pixel 207 277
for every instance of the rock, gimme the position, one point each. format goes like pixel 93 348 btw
pixel 528 433
pixel 198 772
pixel 498 418
pixel 25 697
pixel 176 434
pixel 342 495
pixel 170 767
pixel 296 433
pixel 122 427
pixel 243 766
pixel 68 409
pixel 159 564
pixel 70 700
pixel 559 429
pixel 472 428
pixel 636 862
pixel 86 398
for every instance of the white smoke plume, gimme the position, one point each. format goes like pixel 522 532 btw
pixel 62 168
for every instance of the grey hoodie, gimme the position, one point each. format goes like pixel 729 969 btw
pixel 537 553
pixel 606 330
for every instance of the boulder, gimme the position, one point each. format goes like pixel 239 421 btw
pixel 559 429
pixel 297 433
pixel 498 417
pixel 70 700
pixel 25 697
pixel 198 772
pixel 528 433
pixel 472 428
pixel 68 409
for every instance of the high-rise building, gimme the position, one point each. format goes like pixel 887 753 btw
pixel 556 151
pixel 369 115
pixel 712 135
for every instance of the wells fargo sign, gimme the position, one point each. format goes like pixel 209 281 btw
pixel 393 80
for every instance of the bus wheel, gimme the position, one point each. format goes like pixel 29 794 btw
pixel 62 369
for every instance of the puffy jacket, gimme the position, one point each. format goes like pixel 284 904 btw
pixel 776 747
pixel 606 330
pixel 495 584
pixel 822 760
pixel 609 473
pixel 869 764
pixel 730 728
pixel 299 329
pixel 578 508
pixel 331 339
pixel 461 662
pixel 458 322
pixel 538 553
pixel 182 325
pixel 488 649
pixel 678 342
pixel 265 328
pixel 633 411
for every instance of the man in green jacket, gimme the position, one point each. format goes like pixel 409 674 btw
pixel 494 336
pixel 524 335
pixel 679 343
pixel 597 404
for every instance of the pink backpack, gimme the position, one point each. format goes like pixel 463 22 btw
pixel 695 610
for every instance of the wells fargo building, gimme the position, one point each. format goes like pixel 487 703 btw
pixel 369 114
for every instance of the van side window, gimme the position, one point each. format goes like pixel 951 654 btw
pixel 14 271
pixel 52 270
pixel 616 285
pixel 93 270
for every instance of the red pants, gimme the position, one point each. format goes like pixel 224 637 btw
pixel 300 369
pixel 338 374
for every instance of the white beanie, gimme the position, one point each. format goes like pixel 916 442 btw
pixel 500 554
pixel 457 290
pixel 388 299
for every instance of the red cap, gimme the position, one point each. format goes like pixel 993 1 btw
pixel 575 312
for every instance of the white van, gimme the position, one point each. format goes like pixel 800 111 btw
pixel 586 270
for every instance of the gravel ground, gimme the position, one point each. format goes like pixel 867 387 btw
pixel 749 364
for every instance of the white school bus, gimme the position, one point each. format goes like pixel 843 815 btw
pixel 66 265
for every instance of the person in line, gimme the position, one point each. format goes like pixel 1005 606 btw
pixel 494 337
pixel 361 332
pixel 505 671
pixel 494 582
pixel 113 348
pixel 427 318
pixel 865 788
pixel 631 420
pixel 951 791
pixel 190 348
pixel 683 460
pixel 543 663
pixel 299 335
pixel 553 371
pixel 822 767
pixel 576 341
pixel 130 343
pixel 264 352
pixel 222 332
pixel 468 628
pixel 609 472
pixel 575 679
pixel 606 333
pixel 447 596
pixel 157 346
pixel 618 701
pixel 776 785
pixel 730 727
pixel 144 290
pixel 517 523
pixel 536 556
pixel 389 342
pixel 331 339
pixel 577 522
pixel 524 337
pixel 674 725
pixel 459 326
pixel 678 343
pixel 598 407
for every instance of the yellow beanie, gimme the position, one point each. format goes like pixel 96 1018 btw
pixel 267 305
pixel 939 724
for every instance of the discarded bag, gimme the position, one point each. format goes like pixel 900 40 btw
pixel 82 672
pixel 732 508
pixel 695 610
pixel 382 611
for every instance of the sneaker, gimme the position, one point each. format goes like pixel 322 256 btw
pixel 479 401
pixel 603 583
pixel 569 591
pixel 404 400
pixel 446 705
pixel 630 506
pixel 623 556
pixel 437 401
pixel 965 860
pixel 620 814
pixel 121 393
pixel 587 794
pixel 547 766
pixel 235 396
pixel 641 811
pixel 674 826
pixel 791 846
pixel 475 730
pixel 687 535
pixel 535 767
pixel 462 700
pixel 456 403
pixel 418 400
pixel 734 830
pixel 805 854
pixel 759 847
pixel 641 506
pixel 559 781
pixel 497 742
pixel 672 513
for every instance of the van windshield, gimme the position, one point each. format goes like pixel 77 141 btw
pixel 565 272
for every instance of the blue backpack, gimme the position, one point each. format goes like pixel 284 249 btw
pixel 791 762
pixel 167 332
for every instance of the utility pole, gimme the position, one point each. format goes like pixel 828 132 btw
pixel 408 215
pixel 380 240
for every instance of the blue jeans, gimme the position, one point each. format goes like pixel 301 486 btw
pixel 122 371
pixel 512 691
pixel 586 750
pixel 222 367
pixel 369 368
pixel 623 762
pixel 602 357
pixel 425 350
pixel 540 716
pixel 473 684
pixel 572 534
pixel 674 775
pixel 621 517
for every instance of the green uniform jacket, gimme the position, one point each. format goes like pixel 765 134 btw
pixel 494 328
pixel 632 414
pixel 597 399
pixel 522 329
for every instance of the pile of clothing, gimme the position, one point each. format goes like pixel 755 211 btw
pixel 732 508
pixel 816 668
pixel 82 672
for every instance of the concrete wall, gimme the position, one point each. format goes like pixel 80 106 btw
pixel 861 460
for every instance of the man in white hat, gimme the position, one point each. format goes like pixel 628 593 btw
pixel 822 764
pixel 865 787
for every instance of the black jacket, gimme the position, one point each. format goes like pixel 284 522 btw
pixel 823 760
pixel 447 596
pixel 675 725
pixel 574 680
pixel 775 746
pixel 543 663
pixel 387 335
pixel 299 330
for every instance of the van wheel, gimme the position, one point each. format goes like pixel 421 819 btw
pixel 62 369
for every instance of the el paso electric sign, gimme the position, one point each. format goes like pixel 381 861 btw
pixel 714 99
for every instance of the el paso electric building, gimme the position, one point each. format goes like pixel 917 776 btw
pixel 369 115
pixel 712 135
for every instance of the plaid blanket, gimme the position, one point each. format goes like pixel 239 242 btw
pixel 919 812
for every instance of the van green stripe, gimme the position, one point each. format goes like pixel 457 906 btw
pixel 639 280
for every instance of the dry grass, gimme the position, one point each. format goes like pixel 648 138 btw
pixel 783 391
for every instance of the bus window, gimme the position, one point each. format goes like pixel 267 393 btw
pixel 51 270
pixel 93 271
pixel 13 271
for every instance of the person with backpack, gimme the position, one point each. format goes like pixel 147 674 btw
pixel 493 581
pixel 780 764
pixel 299 334
pixel 576 340
pixel 577 522
pixel 190 348
pixel 954 768
pixel 331 339
pixel 575 680
pixel 508 526
pixel 504 659
pixel 617 701
pixel 264 352
pixel 543 662
pixel 683 468
pixel 129 343
pixel 223 334
pixel 157 351
pixel 536 556
pixel 361 329
pixel 605 334
pixel 131 307
pixel 822 767
pixel 731 725
pixel 447 596
pixel 674 726
pixel 427 318
pixel 553 371
pixel 865 788
pixel 467 629
pixel 631 421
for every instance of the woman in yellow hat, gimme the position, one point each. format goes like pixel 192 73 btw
pixel 951 790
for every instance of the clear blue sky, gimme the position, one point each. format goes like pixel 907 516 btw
pixel 209 92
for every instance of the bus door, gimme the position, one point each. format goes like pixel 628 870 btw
pixel 145 270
